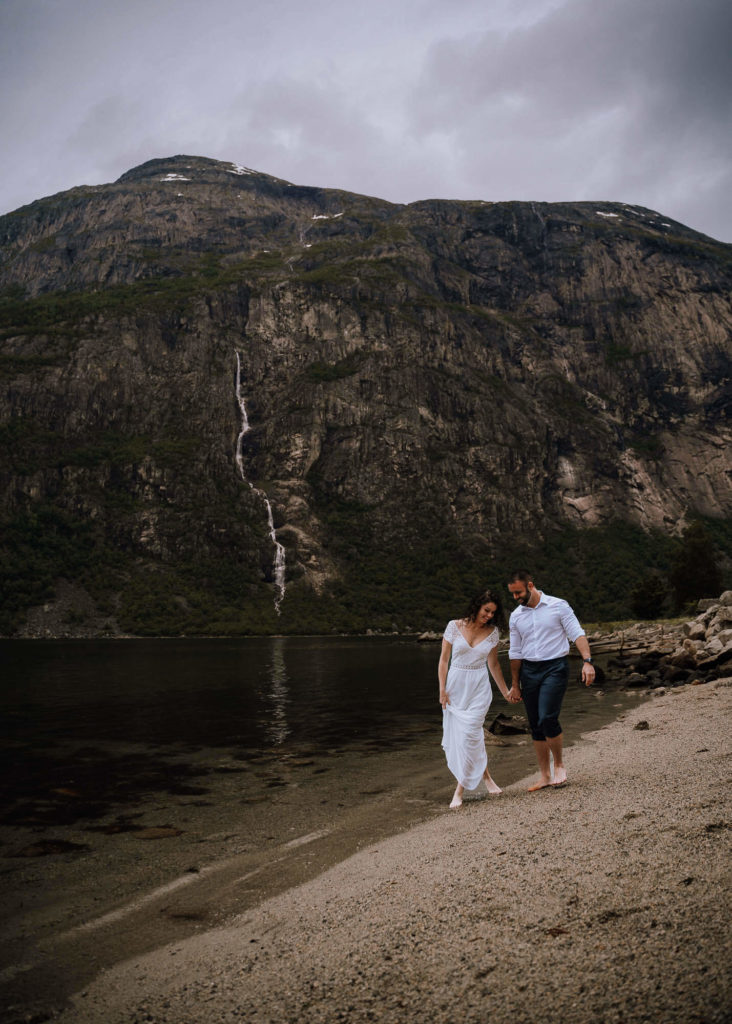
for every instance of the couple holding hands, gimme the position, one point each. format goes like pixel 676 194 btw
pixel 540 629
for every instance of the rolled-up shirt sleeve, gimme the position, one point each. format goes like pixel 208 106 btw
pixel 570 623
pixel 514 642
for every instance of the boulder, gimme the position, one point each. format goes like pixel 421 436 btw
pixel 682 658
pixel 724 615
pixel 623 661
pixel 726 598
pixel 647 661
pixel 694 630
pixel 508 725
pixel 713 648
pixel 714 653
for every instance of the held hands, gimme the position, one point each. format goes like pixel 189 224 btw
pixel 514 695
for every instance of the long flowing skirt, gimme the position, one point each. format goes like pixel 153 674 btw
pixel 462 724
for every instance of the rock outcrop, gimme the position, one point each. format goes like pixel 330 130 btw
pixel 661 655
pixel 432 391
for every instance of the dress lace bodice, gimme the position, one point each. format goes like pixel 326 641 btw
pixel 465 656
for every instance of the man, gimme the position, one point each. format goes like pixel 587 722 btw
pixel 540 629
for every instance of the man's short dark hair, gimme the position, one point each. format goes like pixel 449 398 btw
pixel 521 576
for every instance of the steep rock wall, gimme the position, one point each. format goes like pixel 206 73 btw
pixel 476 372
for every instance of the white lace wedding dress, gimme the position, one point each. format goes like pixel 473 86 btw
pixel 469 690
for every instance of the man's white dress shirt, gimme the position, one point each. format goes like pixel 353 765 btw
pixel 542 632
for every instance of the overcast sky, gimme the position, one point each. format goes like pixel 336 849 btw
pixel 625 100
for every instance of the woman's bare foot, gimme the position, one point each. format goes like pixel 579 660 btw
pixel 491 785
pixel 457 798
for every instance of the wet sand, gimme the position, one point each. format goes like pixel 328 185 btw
pixel 603 900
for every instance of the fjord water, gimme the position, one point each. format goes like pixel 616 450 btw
pixel 132 768
pixel 244 695
pixel 95 729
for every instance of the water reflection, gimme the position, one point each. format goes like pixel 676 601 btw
pixel 277 699
pixel 114 722
pixel 258 694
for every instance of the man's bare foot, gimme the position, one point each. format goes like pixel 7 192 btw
pixel 491 785
pixel 457 799
pixel 560 775
pixel 541 784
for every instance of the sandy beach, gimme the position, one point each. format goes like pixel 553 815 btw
pixel 605 900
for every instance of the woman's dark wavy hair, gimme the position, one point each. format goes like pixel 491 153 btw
pixel 486 597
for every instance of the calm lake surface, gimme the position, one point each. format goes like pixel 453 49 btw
pixel 155 788
pixel 221 771
pixel 251 694
pixel 106 719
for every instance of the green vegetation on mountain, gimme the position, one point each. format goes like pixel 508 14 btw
pixel 436 393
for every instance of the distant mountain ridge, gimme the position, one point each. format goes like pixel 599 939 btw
pixel 433 390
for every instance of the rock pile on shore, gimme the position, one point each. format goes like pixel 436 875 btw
pixel 692 652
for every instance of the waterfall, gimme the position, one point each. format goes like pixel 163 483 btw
pixel 547 258
pixel 279 555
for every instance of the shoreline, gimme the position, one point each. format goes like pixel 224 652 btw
pixel 605 899
pixel 127 887
pixel 77 933
pixel 604 634
pixel 633 639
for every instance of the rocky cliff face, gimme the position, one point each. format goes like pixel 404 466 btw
pixel 432 391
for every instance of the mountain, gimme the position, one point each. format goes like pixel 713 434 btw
pixel 417 396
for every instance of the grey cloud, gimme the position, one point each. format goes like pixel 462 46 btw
pixel 516 99
pixel 311 133
pixel 631 99
pixel 105 123
pixel 584 54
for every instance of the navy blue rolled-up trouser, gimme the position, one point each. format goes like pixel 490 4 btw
pixel 543 684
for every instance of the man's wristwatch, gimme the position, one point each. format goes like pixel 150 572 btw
pixel 587 661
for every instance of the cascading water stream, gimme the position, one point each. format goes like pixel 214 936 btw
pixel 547 258
pixel 279 556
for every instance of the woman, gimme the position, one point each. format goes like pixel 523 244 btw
pixel 465 691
